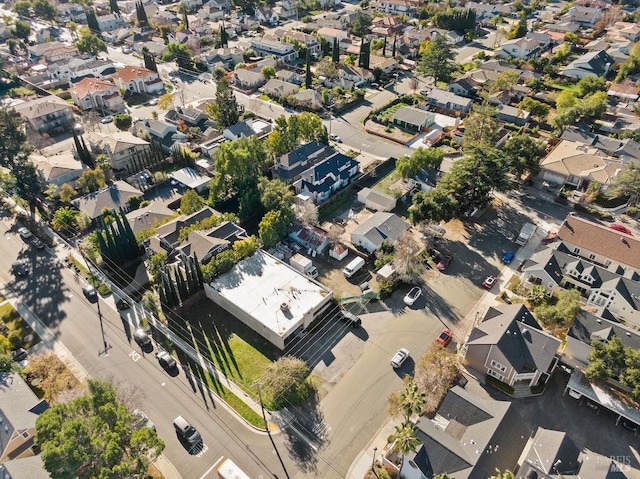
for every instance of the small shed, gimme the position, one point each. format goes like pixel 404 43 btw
pixel 386 273
pixel 339 251
pixel 376 200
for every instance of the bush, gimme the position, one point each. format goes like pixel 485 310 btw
pixel 632 211
pixel 15 338
pixel 385 289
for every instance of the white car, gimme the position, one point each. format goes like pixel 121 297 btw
pixel 335 138
pixel 400 357
pixel 106 119
pixel 412 296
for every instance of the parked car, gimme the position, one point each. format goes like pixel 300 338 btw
pixel 445 337
pixel 489 281
pixel 166 360
pixel 400 357
pixel 152 102
pixel 445 262
pixel 335 138
pixel 508 257
pixel 620 228
pixel 25 234
pixel 121 305
pixel 351 319
pixel 424 92
pixel 142 337
pixel 90 293
pixel 18 355
pixel 106 119
pixel 629 425
pixel 186 431
pixel 20 269
pixel 412 296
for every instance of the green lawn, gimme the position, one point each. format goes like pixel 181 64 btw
pixel 385 183
pixel 14 322
pixel 559 86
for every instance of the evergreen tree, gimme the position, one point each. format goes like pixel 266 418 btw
pixel 77 144
pixel 335 51
pixel 365 54
pixel 308 79
pixel 185 18
pixel 224 38
pixel 384 47
pixel 163 295
pixel 225 109
pixel 87 156
pixel 143 21
pixel 191 281
pixel 199 271
pixel 393 51
pixel 182 287
pixel 92 21
pixel 149 60
pixel 169 292
pixel 113 4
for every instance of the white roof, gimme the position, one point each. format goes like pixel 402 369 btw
pixel 189 177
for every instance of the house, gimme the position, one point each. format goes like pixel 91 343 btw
pixel 248 80
pixel 627 149
pixel 167 236
pixel 188 116
pixel 395 7
pixel 627 92
pixel 465 86
pixel 19 410
pixel 58 169
pixel 149 217
pixel 584 16
pixel 521 48
pixel 290 76
pixel 164 133
pixel 50 114
pixel 359 76
pixel 449 101
pixel 266 14
pixel 623 31
pixel 387 26
pixel 380 227
pixel 75 68
pixel 331 34
pixel 93 93
pixel 279 89
pixel 596 63
pixel 290 166
pixel 451 36
pixel 578 165
pixel 121 147
pixel 386 64
pixel 110 22
pixel 511 114
pixel 227 58
pixel 204 244
pixel 248 128
pixel 311 99
pixel 311 237
pixel 71 12
pixel 412 118
pixel 545 452
pixel 189 178
pixel 51 52
pixel 113 197
pixel 376 200
pixel 457 440
pixel 284 52
pixel 322 179
pixel 587 327
pixel 509 345
pixel 134 79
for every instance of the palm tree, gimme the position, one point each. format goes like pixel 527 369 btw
pixel 412 400
pixel 405 441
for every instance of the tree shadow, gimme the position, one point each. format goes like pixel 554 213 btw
pixel 306 434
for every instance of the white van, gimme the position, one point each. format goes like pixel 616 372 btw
pixel 353 267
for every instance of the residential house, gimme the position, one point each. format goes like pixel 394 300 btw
pixel 425 179
pixel 310 41
pixel 135 79
pixel 226 58
pixel 121 147
pixel 322 179
pixel 77 68
pixel 297 78
pixel 521 48
pixel 457 441
pixel 310 237
pixel 191 5
pixel 287 9
pixel 210 11
pixel 51 52
pixel 561 29
pixel 149 217
pixel 621 31
pixel 50 114
pixel 58 169
pixel 164 133
pixel 189 178
pixel 290 166
pixel 204 244
pixel 19 410
pixel 627 149
pixel 584 16
pixel 167 236
pixel 279 89
pixel 330 34
pixel 248 80
pixel 578 165
pixel 387 64
pixel 545 41
pixel 451 36
pixel 376 200
pixel 623 92
pixel 449 101
pixel 377 229
pixel 359 76
pixel 465 86
pixel 511 114
pixel 412 118
pixel 387 26
pixel 93 93
pixel 113 197
pixel 282 51
pixel 248 128
pixel 71 12
pixel 190 116
pixel 509 345
pixel 547 453
pixel 110 22
pixel 266 14
pixel 596 63
pixel 310 99
pixel 395 7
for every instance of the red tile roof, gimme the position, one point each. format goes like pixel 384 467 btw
pixel 130 73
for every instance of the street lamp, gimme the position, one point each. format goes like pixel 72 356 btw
pixel 373 462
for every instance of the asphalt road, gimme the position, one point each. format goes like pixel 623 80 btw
pixel 54 294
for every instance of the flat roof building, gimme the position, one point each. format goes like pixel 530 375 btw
pixel 270 297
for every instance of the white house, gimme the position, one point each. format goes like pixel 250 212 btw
pixel 380 227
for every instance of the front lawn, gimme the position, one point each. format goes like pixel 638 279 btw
pixel 12 325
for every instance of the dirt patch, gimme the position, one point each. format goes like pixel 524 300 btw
pixel 456 231
pixel 330 274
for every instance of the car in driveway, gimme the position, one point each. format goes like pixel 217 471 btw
pixel 507 258
pixel 90 293
pixel 412 296
pixel 25 234
pixel 445 337
pixel 142 337
pixel 106 119
pixel 166 360
pixel 445 262
pixel 489 281
pixel 620 228
pixel 399 358
pixel 152 102
pixel 20 269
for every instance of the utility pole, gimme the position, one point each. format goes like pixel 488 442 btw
pixel 266 426
pixel 104 339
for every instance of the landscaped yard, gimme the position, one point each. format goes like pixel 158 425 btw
pixel 12 324
pixel 386 182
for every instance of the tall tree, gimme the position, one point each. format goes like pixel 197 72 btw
pixel 408 166
pixel 438 59
pixel 225 109
pixel 365 55
pixel 113 5
pixel 308 79
pixel 224 36
pixel 408 402
pixel 290 132
pixel 404 442
pixel 92 21
pixel 90 43
pixel 523 154
pixel 44 10
pixel 143 21
pixel 149 60
pixel 627 184
pixel 21 29
pixel 335 51
pixel 360 25
pixel 111 445
pixel 481 125
pixel 393 49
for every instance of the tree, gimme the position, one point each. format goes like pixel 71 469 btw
pixel 224 110
pixel 627 184
pixel 593 106
pixel 563 118
pixel 288 133
pixel 537 295
pixel 435 373
pixel 268 72
pixel 51 376
pixel 523 154
pixel 22 8
pixel 21 29
pixel 141 14
pixel 92 21
pixel 408 402
pixel 519 29
pixel 284 382
pixel 408 166
pixel 122 121
pixel 149 60
pixel 191 202
pixel 111 445
pixel 44 10
pixel 90 181
pixel 306 213
pixel 166 101
pixel 589 85
pixel 565 99
pixel 275 194
pixel 481 125
pixel 65 220
pixel 273 227
pixel 90 43
pixel 6 365
pixel 181 53
pixel 113 5
pixel 405 262
pixel 308 77
pixel 563 311
pixel 335 51
pixel 404 442
pixel 365 55
pixel 504 475
pixel 537 109
pixel 360 25
pixel 438 59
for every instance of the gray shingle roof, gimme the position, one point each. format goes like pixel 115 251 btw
pixel 380 227
pixel 114 197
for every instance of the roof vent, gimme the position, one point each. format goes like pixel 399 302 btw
pixel 284 307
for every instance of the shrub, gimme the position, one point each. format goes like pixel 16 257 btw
pixel 15 338
pixel 385 289
pixel 632 211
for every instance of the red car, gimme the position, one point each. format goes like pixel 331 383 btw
pixel 489 281
pixel 620 228
pixel 445 337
